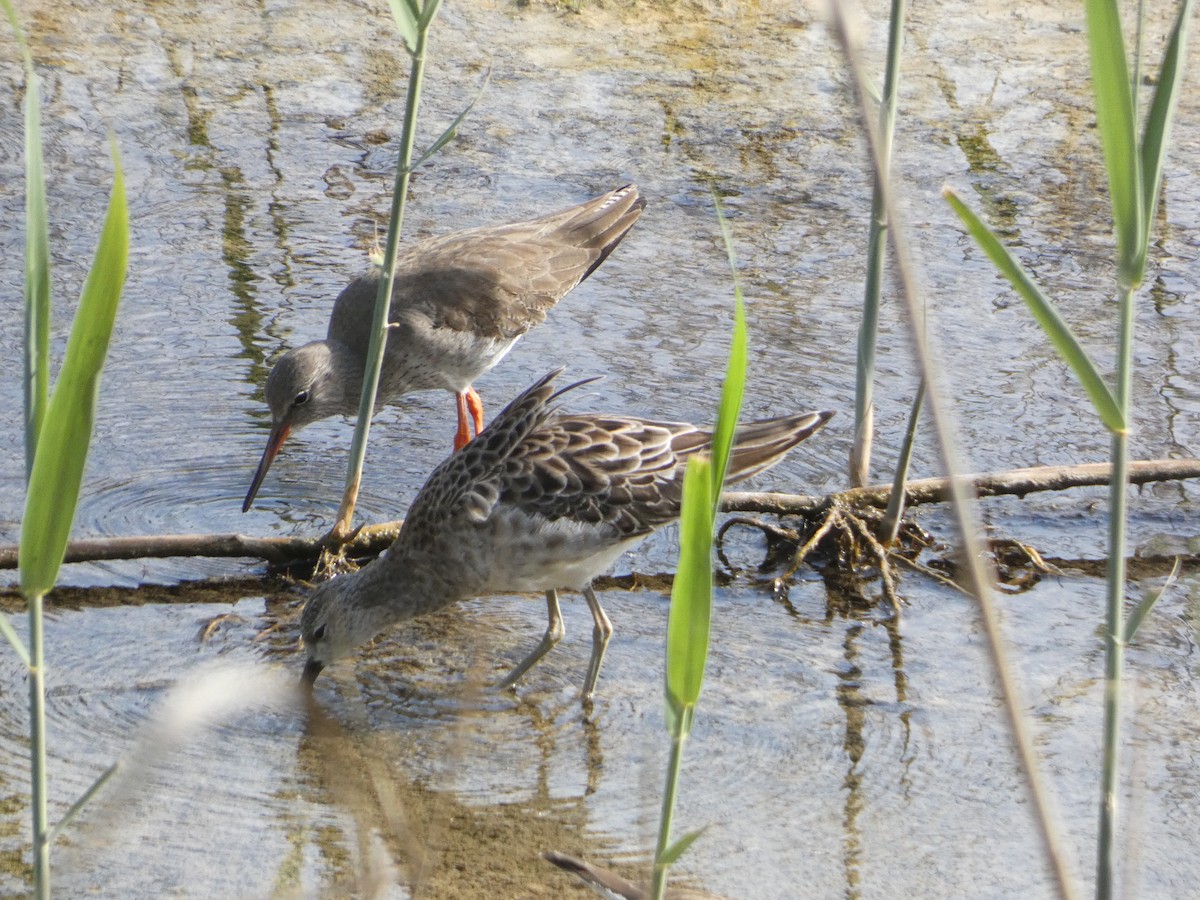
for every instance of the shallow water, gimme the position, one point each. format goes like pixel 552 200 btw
pixel 832 749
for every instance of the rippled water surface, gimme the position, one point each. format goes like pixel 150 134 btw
pixel 836 753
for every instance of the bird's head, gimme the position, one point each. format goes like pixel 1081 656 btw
pixel 329 627
pixel 305 385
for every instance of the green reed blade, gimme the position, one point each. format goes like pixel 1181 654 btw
pixel 14 639
pixel 690 620
pixel 1134 622
pixel 427 14
pixel 691 596
pixel 1115 122
pixel 406 16
pixel 84 799
pixel 1047 316
pixel 37 256
pixel 735 374
pixel 671 855
pixel 451 131
pixel 889 528
pixel 1158 121
pixel 37 276
pixel 67 430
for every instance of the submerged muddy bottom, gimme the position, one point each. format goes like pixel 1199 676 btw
pixel 834 748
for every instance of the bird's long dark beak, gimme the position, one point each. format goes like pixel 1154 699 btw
pixel 311 670
pixel 279 434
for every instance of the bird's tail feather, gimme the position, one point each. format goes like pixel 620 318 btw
pixel 605 224
pixel 759 445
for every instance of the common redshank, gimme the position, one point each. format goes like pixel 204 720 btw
pixel 539 501
pixel 459 303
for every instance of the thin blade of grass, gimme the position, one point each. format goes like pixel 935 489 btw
pixel 691 595
pixel 67 431
pixel 452 130
pixel 78 806
pixel 427 14
pixel 976 577
pixel 1118 136
pixel 868 331
pixel 406 15
pixel 37 275
pixel 383 298
pixel 37 256
pixel 677 849
pixel 1047 316
pixel 735 374
pixel 14 639
pixel 11 14
pixel 1134 622
pixel 890 526
pixel 1158 121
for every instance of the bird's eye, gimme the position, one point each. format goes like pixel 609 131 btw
pixel 301 399
pixel 319 634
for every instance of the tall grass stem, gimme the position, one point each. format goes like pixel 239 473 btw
pixel 977 577
pixel 868 333
pixel 37 750
pixel 658 883
pixel 1114 655
pixel 1134 176
pixel 383 299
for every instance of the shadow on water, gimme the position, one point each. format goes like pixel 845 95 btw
pixel 837 746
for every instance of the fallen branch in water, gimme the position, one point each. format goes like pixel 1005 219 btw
pixel 374 538
pixel 1018 482
pixel 371 539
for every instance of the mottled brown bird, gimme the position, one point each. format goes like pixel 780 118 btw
pixel 540 500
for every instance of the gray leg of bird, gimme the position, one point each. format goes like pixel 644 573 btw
pixel 554 632
pixel 600 634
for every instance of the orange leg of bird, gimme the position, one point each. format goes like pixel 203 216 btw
pixel 470 411
pixel 475 405
pixel 463 435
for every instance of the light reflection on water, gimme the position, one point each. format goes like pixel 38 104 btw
pixel 258 145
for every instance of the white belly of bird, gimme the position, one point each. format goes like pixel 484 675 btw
pixel 531 553
pixel 447 360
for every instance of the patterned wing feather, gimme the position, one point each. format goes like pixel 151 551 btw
pixel 628 473
pixel 615 471
pixel 469 482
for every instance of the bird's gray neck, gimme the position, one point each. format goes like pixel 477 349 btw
pixel 348 373
pixel 397 587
